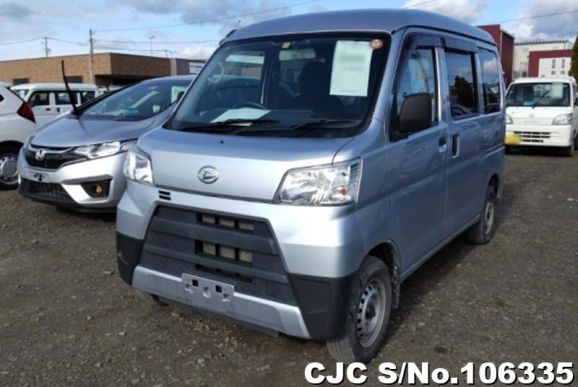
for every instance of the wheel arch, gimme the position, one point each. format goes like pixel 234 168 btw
pixel 388 254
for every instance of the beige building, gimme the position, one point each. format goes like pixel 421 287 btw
pixel 107 69
pixel 522 53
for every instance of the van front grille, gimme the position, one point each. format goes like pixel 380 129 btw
pixel 536 137
pixel 238 251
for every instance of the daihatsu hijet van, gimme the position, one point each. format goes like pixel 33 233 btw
pixel 542 112
pixel 317 161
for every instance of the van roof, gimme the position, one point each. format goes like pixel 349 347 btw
pixel 377 20
pixel 54 86
pixel 544 80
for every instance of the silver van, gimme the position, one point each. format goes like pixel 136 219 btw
pixel 316 162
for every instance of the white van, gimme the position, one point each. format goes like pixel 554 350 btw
pixel 49 100
pixel 542 112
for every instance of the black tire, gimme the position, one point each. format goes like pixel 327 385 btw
pixel 372 282
pixel 568 151
pixel 8 157
pixel 483 231
pixel 151 299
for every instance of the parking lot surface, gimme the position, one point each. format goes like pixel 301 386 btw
pixel 66 318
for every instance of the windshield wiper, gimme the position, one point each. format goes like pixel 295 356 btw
pixel 295 130
pixel 229 125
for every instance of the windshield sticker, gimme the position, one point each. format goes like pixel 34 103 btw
pixel 242 113
pixel 351 67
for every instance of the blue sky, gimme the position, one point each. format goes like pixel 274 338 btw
pixel 192 28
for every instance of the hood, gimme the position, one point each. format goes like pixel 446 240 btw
pixel 540 115
pixel 248 167
pixel 67 131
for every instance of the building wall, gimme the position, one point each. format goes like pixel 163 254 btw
pixel 554 63
pixel 505 43
pixel 48 69
pixel 109 68
pixel 522 54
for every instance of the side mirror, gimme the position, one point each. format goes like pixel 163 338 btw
pixel 415 113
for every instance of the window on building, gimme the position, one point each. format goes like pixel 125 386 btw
pixel 461 80
pixel 490 81
pixel 562 72
pixel 553 63
pixel 563 63
pixel 20 81
pixel 553 72
pixel 74 78
pixel 39 98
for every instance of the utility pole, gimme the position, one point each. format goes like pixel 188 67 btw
pixel 91 56
pixel 46 49
pixel 151 43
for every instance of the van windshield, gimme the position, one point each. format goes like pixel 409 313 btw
pixel 554 94
pixel 139 101
pixel 316 85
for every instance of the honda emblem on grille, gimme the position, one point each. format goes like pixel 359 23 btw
pixel 208 174
pixel 40 153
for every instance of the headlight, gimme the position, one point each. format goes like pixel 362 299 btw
pixel 138 167
pixel 95 151
pixel 319 186
pixel 509 120
pixel 563 119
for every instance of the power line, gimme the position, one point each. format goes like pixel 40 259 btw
pixel 211 20
pixel 20 41
pixel 536 16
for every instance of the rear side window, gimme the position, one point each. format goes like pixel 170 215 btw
pixel 62 98
pixel 86 96
pixel 39 98
pixel 490 81
pixel 1 98
pixel 461 81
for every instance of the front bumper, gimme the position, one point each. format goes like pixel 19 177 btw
pixel 301 266
pixel 543 135
pixel 68 186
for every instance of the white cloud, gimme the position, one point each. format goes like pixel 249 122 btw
pixel 562 26
pixel 198 52
pixel 465 10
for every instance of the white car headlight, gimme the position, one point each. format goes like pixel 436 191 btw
pixel 563 119
pixel 95 151
pixel 509 120
pixel 321 186
pixel 138 166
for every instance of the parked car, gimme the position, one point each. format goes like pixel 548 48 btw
pixel 17 122
pixel 49 100
pixel 542 112
pixel 301 206
pixel 76 161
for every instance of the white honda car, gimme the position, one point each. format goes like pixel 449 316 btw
pixel 17 123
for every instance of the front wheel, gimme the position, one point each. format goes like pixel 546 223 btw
pixel 368 314
pixel 8 167
pixel 483 231
pixel 568 151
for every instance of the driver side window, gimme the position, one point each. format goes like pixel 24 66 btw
pixel 417 76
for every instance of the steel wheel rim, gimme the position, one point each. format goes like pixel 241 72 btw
pixel 8 168
pixel 489 216
pixel 371 312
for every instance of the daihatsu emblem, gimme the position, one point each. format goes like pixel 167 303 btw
pixel 208 174
pixel 40 153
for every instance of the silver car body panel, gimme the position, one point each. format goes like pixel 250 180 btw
pixel 414 195
pixel 244 307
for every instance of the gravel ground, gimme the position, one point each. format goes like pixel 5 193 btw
pixel 66 318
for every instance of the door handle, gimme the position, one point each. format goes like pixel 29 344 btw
pixel 442 144
pixel 455 145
